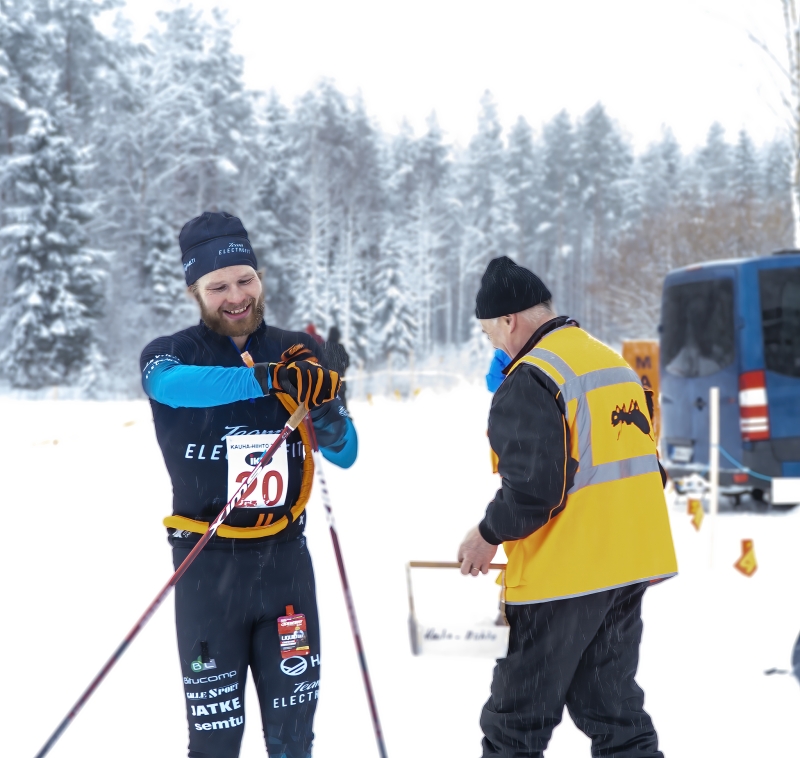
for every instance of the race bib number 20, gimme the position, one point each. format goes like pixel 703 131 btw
pixel 268 489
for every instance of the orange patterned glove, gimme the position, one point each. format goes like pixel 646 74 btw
pixel 305 381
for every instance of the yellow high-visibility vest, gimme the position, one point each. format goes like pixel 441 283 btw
pixel 614 530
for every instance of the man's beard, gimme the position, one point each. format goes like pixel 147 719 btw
pixel 218 323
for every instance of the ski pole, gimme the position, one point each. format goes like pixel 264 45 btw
pixel 292 424
pixel 348 597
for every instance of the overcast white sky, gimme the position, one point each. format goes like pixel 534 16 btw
pixel 680 63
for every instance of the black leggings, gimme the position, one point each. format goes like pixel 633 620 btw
pixel 582 653
pixel 226 610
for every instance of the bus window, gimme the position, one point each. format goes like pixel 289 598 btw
pixel 780 319
pixel 697 336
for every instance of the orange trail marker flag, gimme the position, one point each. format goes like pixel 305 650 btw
pixel 694 508
pixel 747 563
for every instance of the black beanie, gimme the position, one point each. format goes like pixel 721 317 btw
pixel 213 241
pixel 507 288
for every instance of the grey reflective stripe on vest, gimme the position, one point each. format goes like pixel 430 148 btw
pixel 610 472
pixel 575 388
pixel 557 362
pixel 604 377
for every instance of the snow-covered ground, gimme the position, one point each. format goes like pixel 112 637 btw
pixel 84 490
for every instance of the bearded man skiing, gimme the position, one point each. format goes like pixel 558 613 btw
pixel 221 391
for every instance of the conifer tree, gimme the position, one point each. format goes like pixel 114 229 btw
pixel 744 190
pixel 58 280
pixel 276 229
pixel 435 236
pixel 393 313
pixel 776 167
pixel 604 170
pixel 714 159
pixel 523 178
pixel 488 230
pixel 557 235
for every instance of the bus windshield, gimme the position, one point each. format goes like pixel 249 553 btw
pixel 697 334
pixel 780 319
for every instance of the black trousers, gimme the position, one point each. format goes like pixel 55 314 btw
pixel 226 610
pixel 582 653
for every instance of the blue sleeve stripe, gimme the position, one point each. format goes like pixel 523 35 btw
pixel 345 457
pixel 178 386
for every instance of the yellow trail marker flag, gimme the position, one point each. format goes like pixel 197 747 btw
pixel 747 563
pixel 694 507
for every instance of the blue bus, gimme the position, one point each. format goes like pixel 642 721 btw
pixel 733 324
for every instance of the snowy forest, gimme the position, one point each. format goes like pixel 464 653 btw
pixel 108 145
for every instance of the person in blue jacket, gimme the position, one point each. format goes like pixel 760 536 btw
pixel 220 392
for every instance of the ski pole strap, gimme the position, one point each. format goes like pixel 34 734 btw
pixel 183 523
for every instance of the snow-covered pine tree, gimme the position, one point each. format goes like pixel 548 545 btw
pixel 488 228
pixel 320 138
pixel 12 106
pixel 12 112
pixel 225 144
pixel 604 171
pixel 776 202
pixel 82 58
pixel 435 218
pixel 523 179
pixel 362 227
pixel 557 236
pixel 276 228
pixel 394 313
pixel 714 161
pixel 176 152
pixel 165 288
pixel 744 190
pixel 340 206
pixel 58 279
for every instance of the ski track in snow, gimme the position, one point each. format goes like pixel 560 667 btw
pixel 85 552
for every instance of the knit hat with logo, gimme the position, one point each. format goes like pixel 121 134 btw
pixel 213 241
pixel 507 288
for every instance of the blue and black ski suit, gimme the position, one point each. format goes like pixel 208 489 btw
pixel 228 603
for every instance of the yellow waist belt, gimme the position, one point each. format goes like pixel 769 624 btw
pixel 253 532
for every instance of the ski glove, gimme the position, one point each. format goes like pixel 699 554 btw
pixel 304 380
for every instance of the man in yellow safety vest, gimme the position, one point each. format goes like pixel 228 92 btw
pixel 583 519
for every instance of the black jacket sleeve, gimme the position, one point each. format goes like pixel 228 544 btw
pixel 528 433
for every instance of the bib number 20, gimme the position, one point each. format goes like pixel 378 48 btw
pixel 270 480
pixel 268 488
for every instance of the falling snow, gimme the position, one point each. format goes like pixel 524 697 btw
pixel 85 490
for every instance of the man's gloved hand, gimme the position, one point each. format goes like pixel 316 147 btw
pixel 298 352
pixel 304 380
